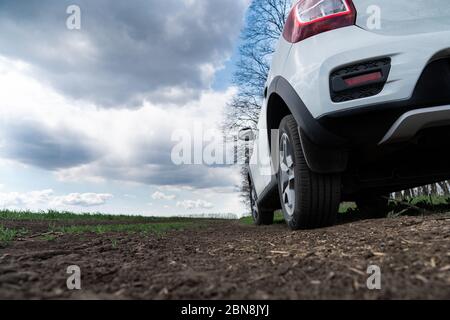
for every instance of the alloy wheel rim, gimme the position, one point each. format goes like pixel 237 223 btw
pixel 287 174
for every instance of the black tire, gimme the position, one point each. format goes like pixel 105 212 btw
pixel 373 206
pixel 261 216
pixel 317 196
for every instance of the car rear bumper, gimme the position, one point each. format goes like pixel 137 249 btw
pixel 345 136
pixel 311 62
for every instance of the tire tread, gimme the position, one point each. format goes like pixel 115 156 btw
pixel 319 194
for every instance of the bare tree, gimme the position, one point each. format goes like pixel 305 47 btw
pixel 264 24
pixel 444 185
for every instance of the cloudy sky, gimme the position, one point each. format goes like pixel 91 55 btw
pixel 87 116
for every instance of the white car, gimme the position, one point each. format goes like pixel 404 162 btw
pixel 357 105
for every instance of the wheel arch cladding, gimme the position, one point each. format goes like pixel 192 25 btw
pixel 324 151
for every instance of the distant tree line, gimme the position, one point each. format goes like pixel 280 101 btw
pixel 436 189
pixel 222 216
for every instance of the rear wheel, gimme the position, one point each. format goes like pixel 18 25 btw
pixel 261 216
pixel 373 206
pixel 308 199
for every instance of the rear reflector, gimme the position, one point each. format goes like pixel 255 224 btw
pixel 359 80
pixel 363 79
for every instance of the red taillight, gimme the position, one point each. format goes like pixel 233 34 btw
pixel 311 17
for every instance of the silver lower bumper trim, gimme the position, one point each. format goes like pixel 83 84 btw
pixel 409 124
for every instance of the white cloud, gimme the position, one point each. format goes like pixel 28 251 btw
pixel 82 199
pixel 124 54
pixel 175 188
pixel 47 198
pixel 97 145
pixel 161 196
pixel 17 199
pixel 194 204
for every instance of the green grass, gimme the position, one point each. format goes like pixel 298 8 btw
pixel 158 225
pixel 278 219
pixel 153 228
pixel 8 235
pixel 114 243
pixel 427 204
pixel 52 215
pixel 346 207
pixel 430 201
pixel 118 224
pixel 64 216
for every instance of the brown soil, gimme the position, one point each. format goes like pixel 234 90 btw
pixel 229 260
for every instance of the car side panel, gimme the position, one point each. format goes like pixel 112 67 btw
pixel 261 169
